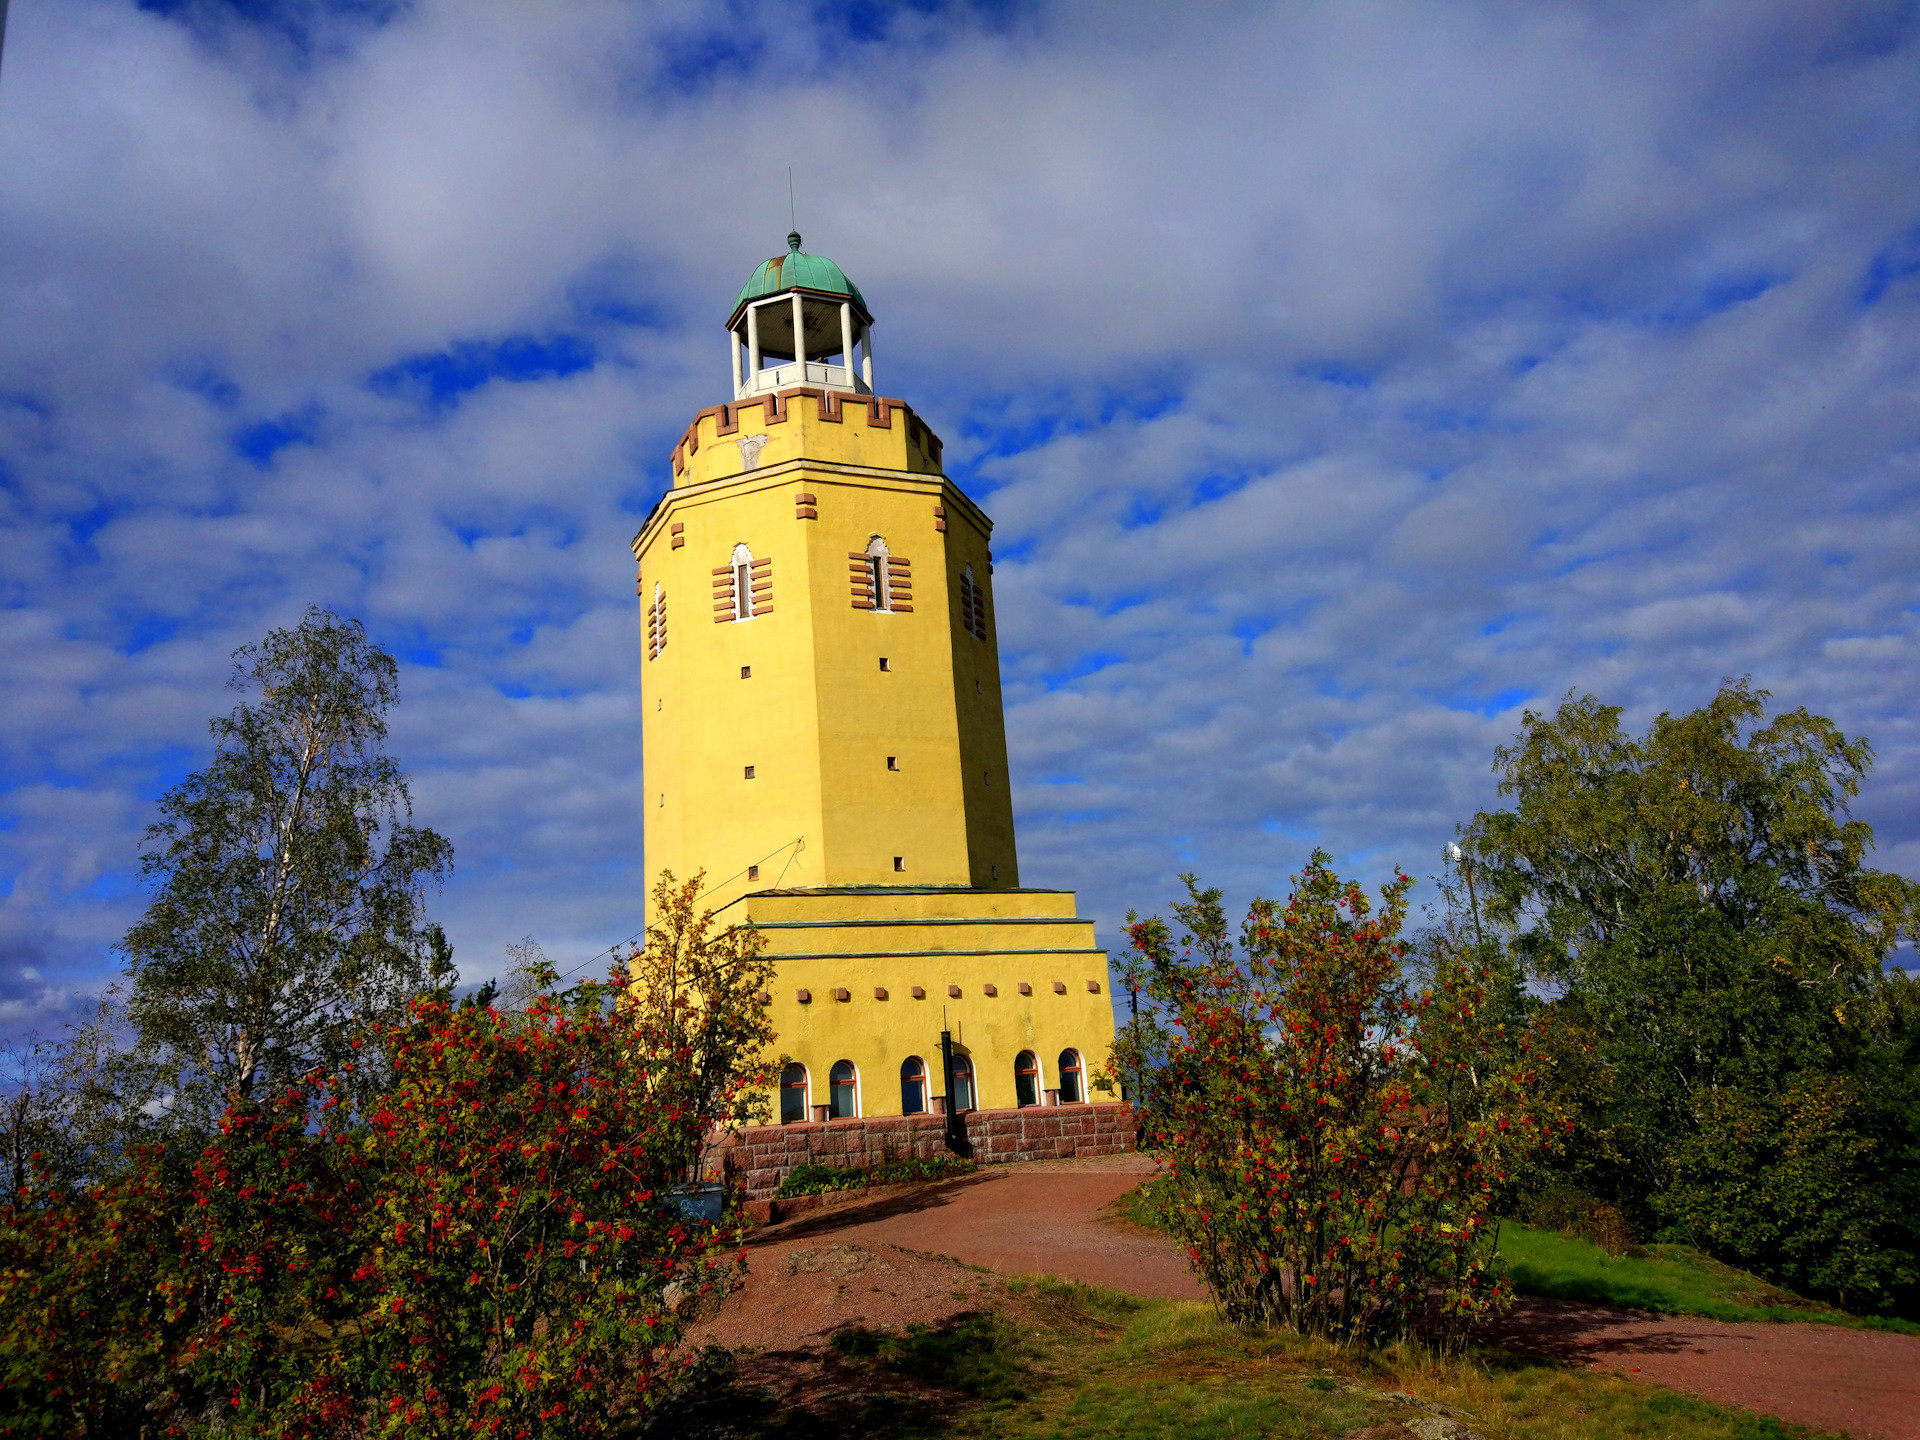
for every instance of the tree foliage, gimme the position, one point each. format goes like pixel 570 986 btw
pixel 287 878
pixel 1695 900
pixel 1748 820
pixel 487 1248
pixel 1337 1141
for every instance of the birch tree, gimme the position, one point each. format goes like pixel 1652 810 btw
pixel 288 879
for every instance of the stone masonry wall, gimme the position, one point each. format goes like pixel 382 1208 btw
pixel 761 1155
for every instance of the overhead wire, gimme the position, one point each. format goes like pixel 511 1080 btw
pixel 796 845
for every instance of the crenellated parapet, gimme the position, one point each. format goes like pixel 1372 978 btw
pixel 788 424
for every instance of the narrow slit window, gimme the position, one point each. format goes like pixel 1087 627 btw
pixel 899 863
pixel 740 577
pixel 878 581
pixel 893 762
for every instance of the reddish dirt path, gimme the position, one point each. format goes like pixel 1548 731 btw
pixel 1864 1382
pixel 1038 1218
pixel 1053 1218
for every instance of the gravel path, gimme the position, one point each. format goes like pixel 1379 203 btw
pixel 1053 1218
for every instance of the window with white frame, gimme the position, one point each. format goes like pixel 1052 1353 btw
pixel 1072 1077
pixel 913 1086
pixel 962 1097
pixel 793 1095
pixel 843 1086
pixel 1026 1078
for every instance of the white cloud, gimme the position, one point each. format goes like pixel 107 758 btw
pixel 1340 378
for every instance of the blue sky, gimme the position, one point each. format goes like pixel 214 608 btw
pixel 1342 379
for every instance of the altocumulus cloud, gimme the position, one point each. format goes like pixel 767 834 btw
pixel 1343 379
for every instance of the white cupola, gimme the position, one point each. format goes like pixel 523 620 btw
pixel 798 318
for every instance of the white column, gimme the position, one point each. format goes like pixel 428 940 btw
pixel 866 356
pixel 799 339
pixel 733 358
pixel 753 345
pixel 846 339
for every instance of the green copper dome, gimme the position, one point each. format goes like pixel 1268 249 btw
pixel 797 270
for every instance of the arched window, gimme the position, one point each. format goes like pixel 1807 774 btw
pixel 913 1086
pixel 657 622
pixel 1026 1078
pixel 962 1097
pixel 793 1094
pixel 1071 1090
pixel 842 1086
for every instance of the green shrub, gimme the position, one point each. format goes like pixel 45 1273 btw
pixel 816 1179
pixel 1788 1186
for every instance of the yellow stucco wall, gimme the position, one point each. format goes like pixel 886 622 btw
pixel 893 940
pixel 823 816
pixel 818 717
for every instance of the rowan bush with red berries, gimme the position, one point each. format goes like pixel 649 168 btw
pixel 1338 1136
pixel 486 1249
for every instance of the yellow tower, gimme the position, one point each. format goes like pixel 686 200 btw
pixel 823 731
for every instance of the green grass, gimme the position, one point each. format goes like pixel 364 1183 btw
pixel 1671 1279
pixel 978 1354
pixel 1068 1362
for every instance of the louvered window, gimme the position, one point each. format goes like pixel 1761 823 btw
pixel 973 605
pixel 743 587
pixel 657 623
pixel 879 580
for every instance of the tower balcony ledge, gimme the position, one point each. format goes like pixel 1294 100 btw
pixel 813 372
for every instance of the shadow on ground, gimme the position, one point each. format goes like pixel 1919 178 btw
pixel 862 1383
pixel 911 1201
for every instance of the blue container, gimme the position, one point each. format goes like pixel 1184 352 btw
pixel 703 1203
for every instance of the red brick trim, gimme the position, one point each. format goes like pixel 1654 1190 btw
pixel 773 410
